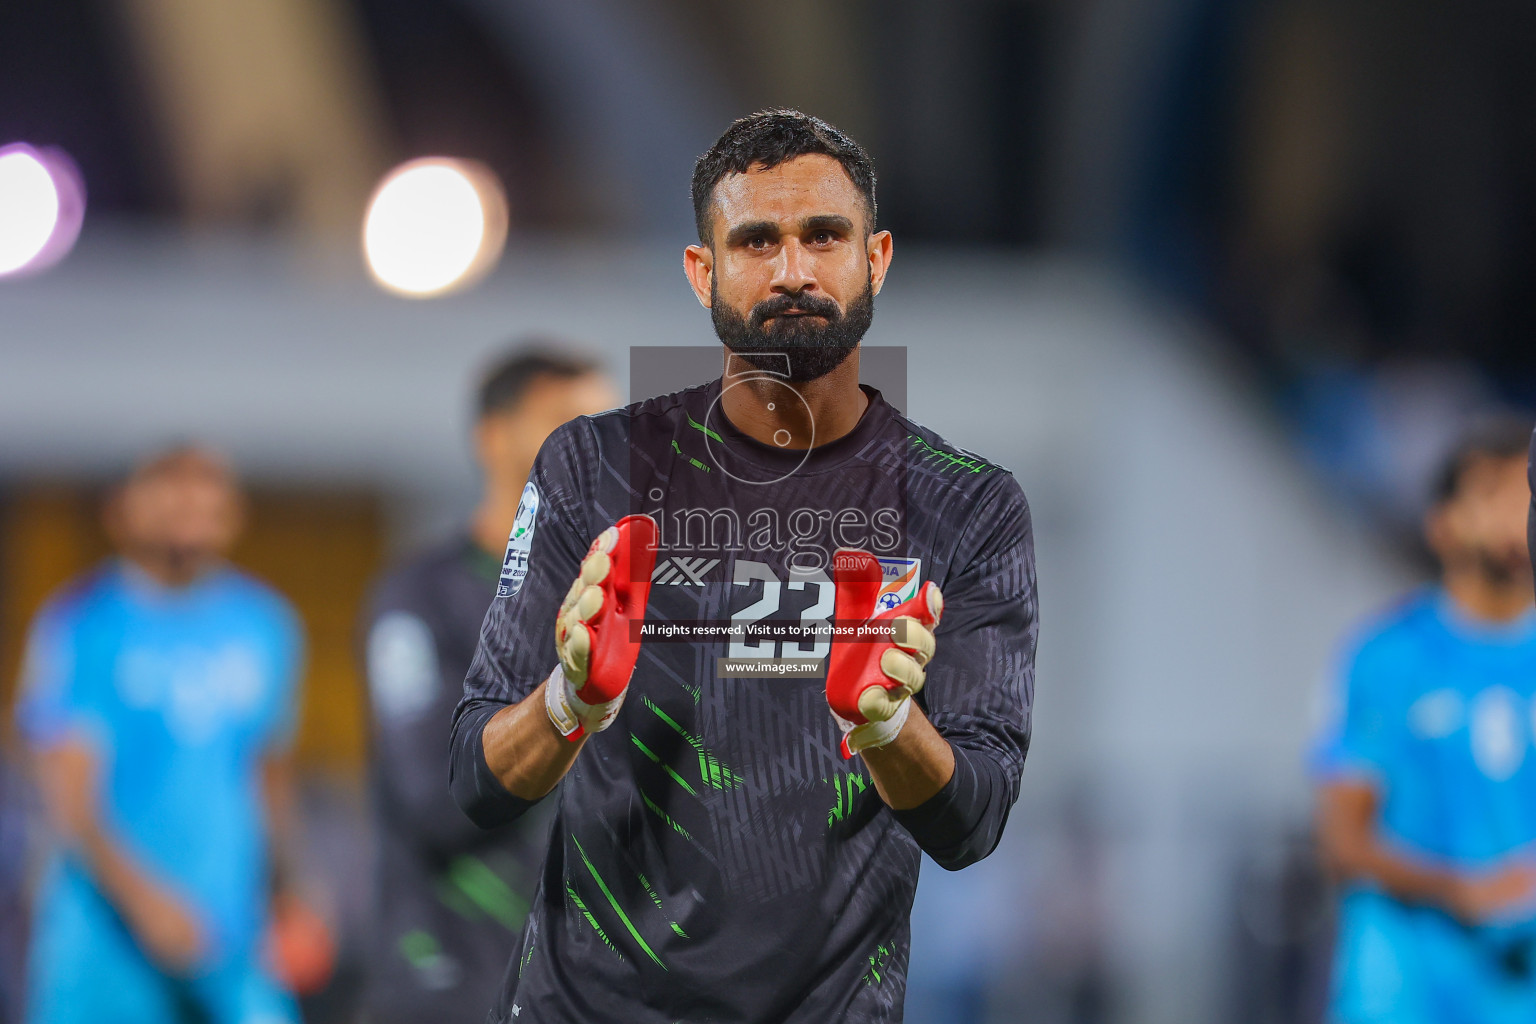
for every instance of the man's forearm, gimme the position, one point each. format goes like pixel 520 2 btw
pixel 1409 882
pixel 524 751
pixel 121 880
pixel 913 767
pixel 1347 816
pixel 67 775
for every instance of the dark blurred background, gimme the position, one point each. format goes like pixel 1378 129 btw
pixel 1344 190
pixel 1218 279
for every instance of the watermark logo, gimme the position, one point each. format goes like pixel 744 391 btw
pixel 805 536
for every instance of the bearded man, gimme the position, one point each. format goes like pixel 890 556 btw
pixel 798 651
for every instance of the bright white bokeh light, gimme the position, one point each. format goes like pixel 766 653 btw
pixel 434 225
pixel 29 208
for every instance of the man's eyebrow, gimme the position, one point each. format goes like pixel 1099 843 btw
pixel 741 232
pixel 827 222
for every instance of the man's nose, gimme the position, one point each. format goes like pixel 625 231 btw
pixel 792 269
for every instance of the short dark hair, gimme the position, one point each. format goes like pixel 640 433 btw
pixel 507 381
pixel 1499 436
pixel 769 138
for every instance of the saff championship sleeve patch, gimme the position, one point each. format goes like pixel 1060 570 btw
pixel 514 567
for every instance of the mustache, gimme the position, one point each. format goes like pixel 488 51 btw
pixel 815 305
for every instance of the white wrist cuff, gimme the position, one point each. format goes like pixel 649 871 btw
pixel 572 716
pixel 873 734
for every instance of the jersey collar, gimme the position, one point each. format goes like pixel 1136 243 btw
pixel 876 422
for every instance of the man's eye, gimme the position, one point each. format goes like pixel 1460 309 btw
pixel 758 242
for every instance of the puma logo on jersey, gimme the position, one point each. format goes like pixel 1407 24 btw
pixel 680 571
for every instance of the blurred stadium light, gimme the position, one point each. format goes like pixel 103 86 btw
pixel 42 205
pixel 434 225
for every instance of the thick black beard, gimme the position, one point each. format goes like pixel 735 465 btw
pixel 813 350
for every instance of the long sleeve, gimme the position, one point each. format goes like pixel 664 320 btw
pixel 981 682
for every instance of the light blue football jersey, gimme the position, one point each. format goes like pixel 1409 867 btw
pixel 181 692
pixel 1439 712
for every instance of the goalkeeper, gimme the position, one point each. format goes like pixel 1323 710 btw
pixel 730 847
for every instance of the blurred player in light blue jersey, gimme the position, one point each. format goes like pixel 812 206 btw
pixel 157 704
pixel 1427 773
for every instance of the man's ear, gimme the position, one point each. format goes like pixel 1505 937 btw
pixel 699 267
pixel 879 250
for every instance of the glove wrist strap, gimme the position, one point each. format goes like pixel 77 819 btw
pixel 874 734
pixel 573 717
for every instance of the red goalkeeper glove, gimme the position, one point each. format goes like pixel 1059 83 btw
pixel 592 632
pixel 871 676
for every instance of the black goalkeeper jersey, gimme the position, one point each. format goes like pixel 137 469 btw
pixel 714 858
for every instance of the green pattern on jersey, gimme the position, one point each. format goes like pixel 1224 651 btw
pixel 657 900
pixel 420 949
pixel 877 960
pixel 576 902
pixel 614 903
pixel 488 891
pixel 452 897
pixel 711 770
pixel 950 460
pixel 528 956
pixel 696 425
pixel 664 816
pixel 695 463
pixel 648 752
pixel 844 786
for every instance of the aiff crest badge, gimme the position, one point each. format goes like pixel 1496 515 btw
pixel 900 578
pixel 514 567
